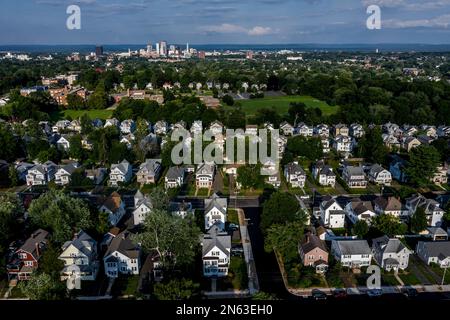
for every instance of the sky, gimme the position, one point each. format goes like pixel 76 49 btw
pixel 40 22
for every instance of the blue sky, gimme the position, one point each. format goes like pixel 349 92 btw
pixel 224 21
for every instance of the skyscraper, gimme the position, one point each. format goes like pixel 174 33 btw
pixel 149 48
pixel 163 48
pixel 158 51
pixel 98 51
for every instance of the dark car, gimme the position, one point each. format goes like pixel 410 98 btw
pixel 340 293
pixel 237 251
pixel 319 295
pixel 410 292
pixel 374 293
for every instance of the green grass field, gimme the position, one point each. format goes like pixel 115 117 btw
pixel 282 104
pixel 75 114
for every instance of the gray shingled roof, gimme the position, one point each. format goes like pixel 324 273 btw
pixel 353 247
pixel 218 239
pixel 38 238
pixel 216 201
pixel 436 249
pixel 311 242
pixel 123 244
pixel 387 245
pixel 174 173
pixel 82 242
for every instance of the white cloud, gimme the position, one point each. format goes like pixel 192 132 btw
pixel 233 28
pixel 442 21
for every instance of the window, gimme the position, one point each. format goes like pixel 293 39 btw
pixel 29 263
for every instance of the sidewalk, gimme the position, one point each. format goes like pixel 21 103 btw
pixel 253 283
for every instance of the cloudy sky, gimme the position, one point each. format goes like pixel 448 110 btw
pixel 224 21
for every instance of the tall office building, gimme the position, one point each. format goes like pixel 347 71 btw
pixel 149 48
pixel 158 51
pixel 163 48
pixel 99 51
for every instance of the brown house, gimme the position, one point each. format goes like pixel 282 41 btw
pixel 313 253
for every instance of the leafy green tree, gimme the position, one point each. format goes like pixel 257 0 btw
pixel 166 154
pixel 99 99
pixel 8 144
pixel 281 208
pixel 10 210
pixel 160 199
pixel 361 228
pixel 50 263
pixel 61 214
pixel 43 287
pixel 300 146
pixel 102 226
pixel 284 239
pixel 372 148
pixel 13 176
pixel 419 221
pixel 250 177
pixel 389 225
pixel 183 289
pixel 175 239
pixel 76 147
pixel 228 100
pixel 422 165
pixel 75 102
pixel 235 119
pixel 86 124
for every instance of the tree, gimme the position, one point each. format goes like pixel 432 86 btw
pixel 99 99
pixel 175 289
pixel 43 287
pixel 13 176
pixel 389 225
pixel 76 102
pixel 50 263
pixel 279 209
pixel 102 226
pixel 361 228
pixel 8 144
pixel 86 124
pixel 250 177
pixel 372 148
pixel 263 296
pixel 297 111
pixel 235 119
pixel 300 146
pixel 228 100
pixel 160 199
pixel 10 210
pixel 61 214
pixel 422 165
pixel 76 147
pixel 166 154
pixel 174 239
pixel 284 239
pixel 419 221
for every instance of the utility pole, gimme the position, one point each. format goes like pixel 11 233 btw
pixel 443 276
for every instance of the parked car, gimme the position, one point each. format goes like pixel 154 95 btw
pixel 340 293
pixel 319 295
pixel 233 227
pixel 375 293
pixel 410 292
pixel 237 251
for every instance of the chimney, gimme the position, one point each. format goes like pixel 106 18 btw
pixel 38 251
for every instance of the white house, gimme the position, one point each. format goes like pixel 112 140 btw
pixel 354 177
pixel 357 210
pixel 324 174
pixel 352 253
pixel 142 207
pixel 215 212
pixel 433 211
pixel 96 175
pixel 120 173
pixel 356 130
pixel 390 254
pixel 304 130
pixel 161 128
pixel 343 144
pixel 174 177
pixel 122 256
pixel 322 130
pixel 64 173
pixel 112 123
pixel 216 253
pixel 41 174
pixel 287 129
pixel 434 252
pixel 114 207
pixel 80 257
pixel 149 171
pixel 197 127
pixel 216 128
pixel 61 126
pixel 390 205
pixel 181 209
pixel 295 175
pixel 378 175
pixel 332 214
pixel 127 126
pixel 204 177
pixel 63 143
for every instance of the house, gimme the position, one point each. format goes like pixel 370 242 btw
pixel 391 141
pixel 287 129
pixel 304 130
pixel 161 128
pixel 397 169
pixel 325 144
pixel 313 253
pixel 437 234
pixel 120 173
pixel 216 253
pixel 378 175
pixel 324 174
pixel 204 177
pixel 251 130
pixel 75 126
pixel 128 140
pixel 431 207
pixel 390 254
pixel 341 130
pixel 122 257
pixel 434 252
pixel 215 212
pixel 127 127
pixel 112 123
pixel 441 175
pixel 343 144
pixel 63 143
pixel 64 173
pixel 41 174
pixel 358 210
pixel 295 175
pixel 352 253
pixel 149 171
pixel 356 131
pixel 96 175
pixel 354 177
pixel 114 207
pixel 391 206
pixel 181 209
pixel 174 177
pixel 22 170
pixel 80 257
pixel 322 130
pixel 332 214
pixel 443 131
pixel 61 126
pixel 216 128
pixel 25 259
pixel 409 143
pixel 180 125
pixel 142 207
pixel 197 127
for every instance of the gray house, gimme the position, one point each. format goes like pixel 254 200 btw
pixel 390 254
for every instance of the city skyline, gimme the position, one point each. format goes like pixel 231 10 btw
pixel 224 22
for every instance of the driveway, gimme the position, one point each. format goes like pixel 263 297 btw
pixel 218 183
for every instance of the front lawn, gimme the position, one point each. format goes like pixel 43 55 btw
pixel 237 275
pixel 75 114
pixel 125 286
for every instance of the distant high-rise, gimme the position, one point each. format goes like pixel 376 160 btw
pixel 201 55
pixel 149 48
pixel 158 48
pixel 163 48
pixel 250 55
pixel 99 51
